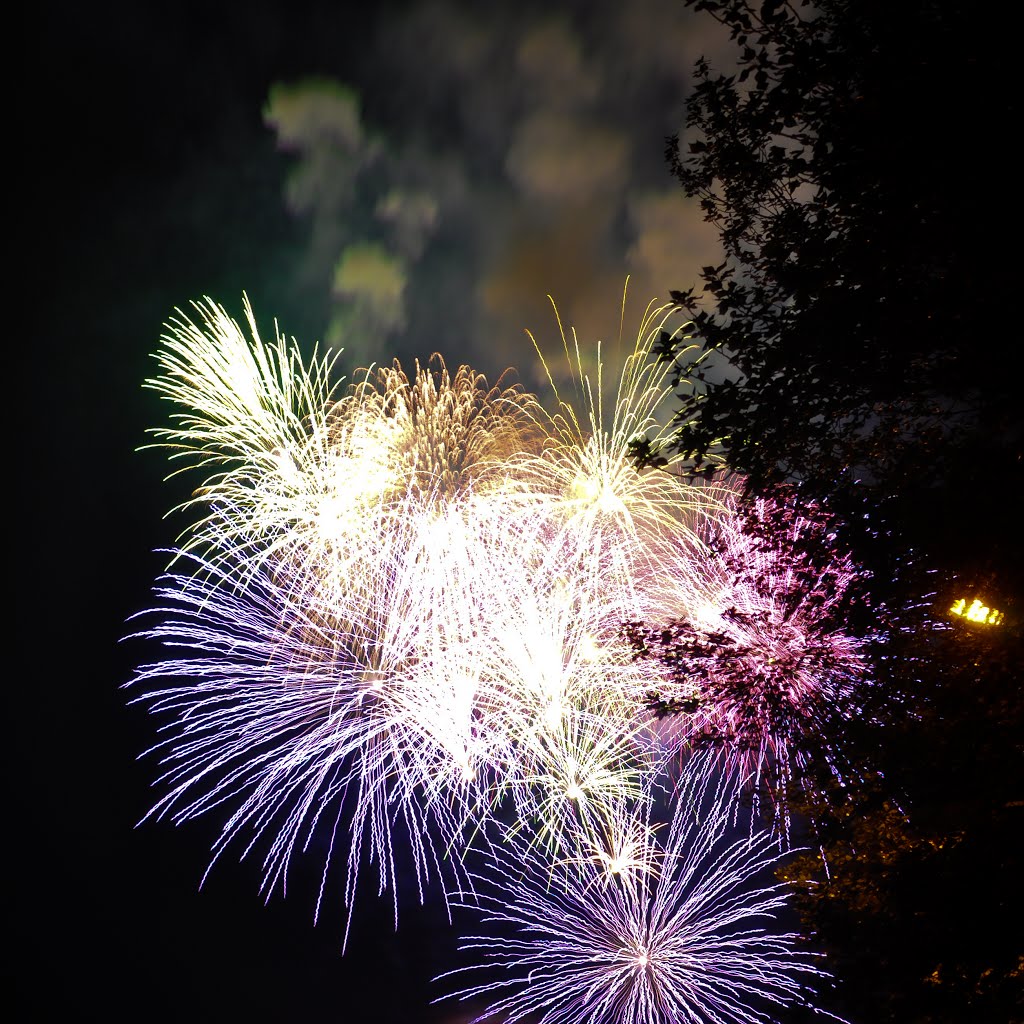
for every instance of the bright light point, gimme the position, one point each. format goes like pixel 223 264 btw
pixel 589 648
pixel 573 792
pixel 466 769
pixel 977 612
pixel 332 511
pixel 585 488
pixel 373 679
pixel 553 715
pixel 596 491
pixel 287 467
pixel 642 959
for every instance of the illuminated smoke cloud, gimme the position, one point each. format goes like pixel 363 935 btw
pixel 526 157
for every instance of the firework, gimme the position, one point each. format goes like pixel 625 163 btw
pixel 657 927
pixel 455 434
pixel 248 411
pixel 585 477
pixel 414 547
pixel 395 628
pixel 285 714
pixel 762 658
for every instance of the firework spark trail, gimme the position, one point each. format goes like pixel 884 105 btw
pixel 279 722
pixel 247 409
pixel 676 930
pixel 264 720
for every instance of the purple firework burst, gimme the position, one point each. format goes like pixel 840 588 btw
pixel 681 931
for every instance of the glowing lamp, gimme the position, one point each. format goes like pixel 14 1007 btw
pixel 977 612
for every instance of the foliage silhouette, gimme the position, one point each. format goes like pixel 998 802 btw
pixel 857 164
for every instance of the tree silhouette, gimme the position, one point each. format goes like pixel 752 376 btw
pixel 856 163
pixel 857 166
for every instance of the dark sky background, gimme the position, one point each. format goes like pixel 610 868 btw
pixel 448 169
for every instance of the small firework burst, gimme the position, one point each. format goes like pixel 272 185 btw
pixel 586 478
pixel 452 433
pixel 763 657
pixel 247 411
pixel 679 931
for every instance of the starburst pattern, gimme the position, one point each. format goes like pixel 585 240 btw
pixel 677 930
pixel 585 477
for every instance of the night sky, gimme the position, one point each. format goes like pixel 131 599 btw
pixel 398 182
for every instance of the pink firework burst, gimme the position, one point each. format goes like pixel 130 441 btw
pixel 762 662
